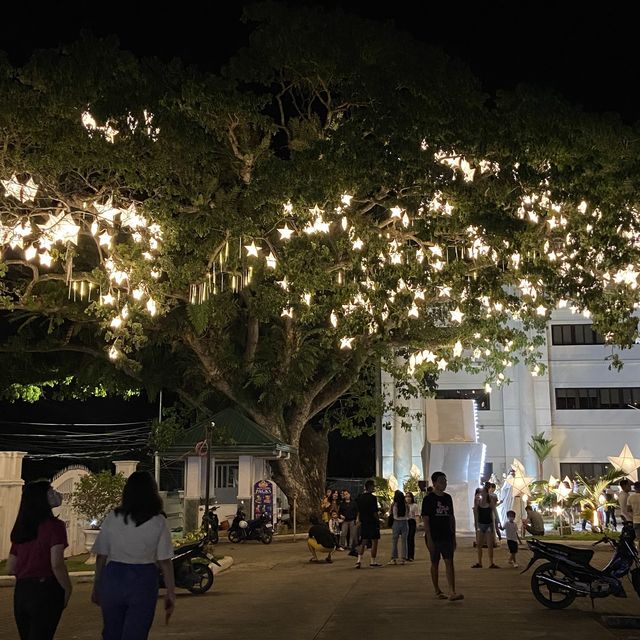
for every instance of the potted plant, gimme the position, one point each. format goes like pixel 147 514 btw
pixel 94 496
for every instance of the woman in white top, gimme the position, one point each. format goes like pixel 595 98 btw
pixel 132 539
pixel 400 526
pixel 414 514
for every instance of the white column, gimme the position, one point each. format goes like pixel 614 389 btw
pixel 192 487
pixel 10 493
pixel 126 467
pixel 245 477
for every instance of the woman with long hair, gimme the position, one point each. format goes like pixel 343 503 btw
pixel 132 539
pixel 325 505
pixel 485 517
pixel 414 514
pixel 400 526
pixel 36 559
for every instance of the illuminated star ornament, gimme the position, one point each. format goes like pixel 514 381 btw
pixel 519 481
pixel 626 462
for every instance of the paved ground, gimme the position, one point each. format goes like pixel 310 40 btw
pixel 272 592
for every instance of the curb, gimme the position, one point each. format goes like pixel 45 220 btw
pixel 80 577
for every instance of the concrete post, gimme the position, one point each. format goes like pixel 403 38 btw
pixel 10 493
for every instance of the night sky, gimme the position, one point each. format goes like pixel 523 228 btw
pixel 588 56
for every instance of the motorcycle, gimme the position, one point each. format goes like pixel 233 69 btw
pixel 259 529
pixel 568 574
pixel 191 567
pixel 210 525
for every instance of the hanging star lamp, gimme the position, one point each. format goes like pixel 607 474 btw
pixel 626 462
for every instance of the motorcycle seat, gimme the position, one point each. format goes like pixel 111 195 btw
pixel 579 556
pixel 186 548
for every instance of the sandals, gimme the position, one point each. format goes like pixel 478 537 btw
pixel 442 596
pixel 493 566
pixel 477 565
pixel 456 596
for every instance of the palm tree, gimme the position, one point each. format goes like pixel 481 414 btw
pixel 592 489
pixel 542 447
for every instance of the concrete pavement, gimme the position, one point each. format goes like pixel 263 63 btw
pixel 272 592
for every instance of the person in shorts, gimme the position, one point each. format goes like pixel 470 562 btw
pixel 369 521
pixel 440 534
pixel 510 529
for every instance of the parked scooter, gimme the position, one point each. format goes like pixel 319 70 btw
pixel 191 567
pixel 259 529
pixel 210 525
pixel 568 574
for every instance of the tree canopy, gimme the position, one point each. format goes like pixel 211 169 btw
pixel 324 205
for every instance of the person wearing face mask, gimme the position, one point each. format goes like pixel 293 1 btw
pixel 36 559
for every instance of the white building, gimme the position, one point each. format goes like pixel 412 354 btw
pixel 585 407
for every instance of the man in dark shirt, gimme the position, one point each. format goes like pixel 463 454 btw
pixel 320 539
pixel 369 522
pixel 348 514
pixel 440 533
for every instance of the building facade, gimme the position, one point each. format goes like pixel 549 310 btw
pixel 582 403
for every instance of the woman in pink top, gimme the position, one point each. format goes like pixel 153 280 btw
pixel 36 559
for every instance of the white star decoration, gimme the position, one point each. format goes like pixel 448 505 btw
pixel 285 232
pixel 519 481
pixel 626 462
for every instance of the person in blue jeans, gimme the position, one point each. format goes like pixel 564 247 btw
pixel 400 527
pixel 132 539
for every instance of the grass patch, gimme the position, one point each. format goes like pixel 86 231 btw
pixel 74 563
pixel 586 536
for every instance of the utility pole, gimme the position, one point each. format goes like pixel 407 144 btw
pixel 208 432
pixel 156 458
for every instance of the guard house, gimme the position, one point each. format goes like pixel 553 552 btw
pixel 240 453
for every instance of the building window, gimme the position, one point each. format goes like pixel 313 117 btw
pixel 568 334
pixel 226 475
pixel 481 397
pixel 587 470
pixel 598 398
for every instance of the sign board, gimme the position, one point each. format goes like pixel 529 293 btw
pixel 65 482
pixel 263 498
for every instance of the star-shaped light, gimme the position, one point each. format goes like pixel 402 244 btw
pixel 396 212
pixel 107 211
pixel 45 259
pixel 104 239
pixel 442 364
pixel 284 283
pixel 252 249
pixel 288 313
pixel 357 244
pixel 285 232
pixel 60 228
pixel 30 252
pixel 626 462
pixel 23 192
pixel 271 261
pixel 444 292
pixel 456 315
pixel 519 481
pixel 457 349
pixel 316 211
pixel 413 312
pixel 108 299
pixel 346 199
pixel 345 343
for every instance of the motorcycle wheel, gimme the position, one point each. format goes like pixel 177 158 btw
pixel 551 596
pixel 233 536
pixel 205 577
pixel 267 537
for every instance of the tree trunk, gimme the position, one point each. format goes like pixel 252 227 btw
pixel 304 475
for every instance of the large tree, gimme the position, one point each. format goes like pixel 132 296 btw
pixel 339 197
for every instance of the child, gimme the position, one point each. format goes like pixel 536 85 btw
pixel 511 532
pixel 335 524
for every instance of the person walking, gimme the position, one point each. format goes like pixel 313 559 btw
pixel 510 529
pixel 414 514
pixel 440 534
pixel 485 517
pixel 369 522
pixel 36 559
pixel 400 527
pixel 348 531
pixel 132 539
